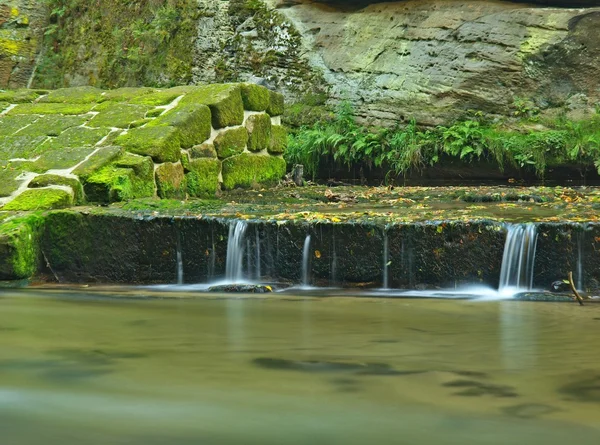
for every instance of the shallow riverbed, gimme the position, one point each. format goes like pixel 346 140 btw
pixel 77 368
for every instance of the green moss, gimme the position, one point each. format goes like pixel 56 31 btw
pixel 117 115
pixel 4 106
pixel 161 143
pixel 76 137
pixel 155 112
pixel 19 96
pixel 203 178
pixel 40 199
pixel 278 142
pixel 170 181
pixel 126 93
pixel 100 159
pixel 48 180
pixel 246 170
pixel 19 247
pixel 52 108
pixel 255 97
pixel 276 105
pixel 9 125
pixel 77 95
pixel 157 98
pixel 12 147
pixel 8 176
pixel 225 103
pixel 128 178
pixel 259 129
pixel 203 151
pixel 192 120
pixel 139 123
pixel 59 159
pixel 231 142
pixel 51 125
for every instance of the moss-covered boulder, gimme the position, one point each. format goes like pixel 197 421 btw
pixel 41 199
pixel 20 96
pixel 247 170
pixel 192 120
pixel 19 247
pixel 161 143
pixel 101 158
pixel 276 104
pixel 51 125
pixel 259 129
pixel 203 177
pixel 231 142
pixel 255 97
pixel 278 142
pixel 170 181
pixel 49 180
pixel 205 150
pixel 225 103
pixel 117 115
pixel 9 125
pixel 51 108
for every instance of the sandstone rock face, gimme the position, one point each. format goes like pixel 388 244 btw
pixel 22 25
pixel 434 60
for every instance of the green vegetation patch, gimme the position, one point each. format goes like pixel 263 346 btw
pixel 99 159
pixel 77 95
pixel 203 151
pixel 40 199
pixel 48 180
pixel 225 103
pixel 255 97
pixel 192 120
pixel 4 106
pixel 125 94
pixel 8 179
pixel 247 170
pixel 9 125
pixel 21 96
pixel 60 159
pixel 157 98
pixel 276 104
pixel 259 129
pixel 231 142
pixel 117 115
pixel 52 108
pixel 161 143
pixel 76 137
pixel 12 147
pixel 155 112
pixel 51 125
pixel 170 181
pixel 19 247
pixel 279 137
pixel 203 178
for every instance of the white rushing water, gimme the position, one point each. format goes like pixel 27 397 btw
pixel 179 261
pixel 234 272
pixel 306 262
pixel 518 261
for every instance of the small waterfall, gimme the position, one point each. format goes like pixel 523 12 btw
pixel 179 261
pixel 306 262
pixel 518 260
pixel 235 252
pixel 258 268
pixel 386 260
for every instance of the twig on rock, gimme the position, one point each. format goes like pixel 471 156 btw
pixel 574 289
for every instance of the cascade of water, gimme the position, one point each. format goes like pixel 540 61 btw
pixel 306 261
pixel 258 268
pixel 235 251
pixel 386 260
pixel 518 260
pixel 179 261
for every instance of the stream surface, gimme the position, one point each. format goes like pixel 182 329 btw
pixel 78 368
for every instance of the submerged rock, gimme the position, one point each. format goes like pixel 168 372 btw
pixel 242 288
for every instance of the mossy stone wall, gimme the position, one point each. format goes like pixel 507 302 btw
pixel 77 145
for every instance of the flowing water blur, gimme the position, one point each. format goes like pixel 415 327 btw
pixel 78 369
